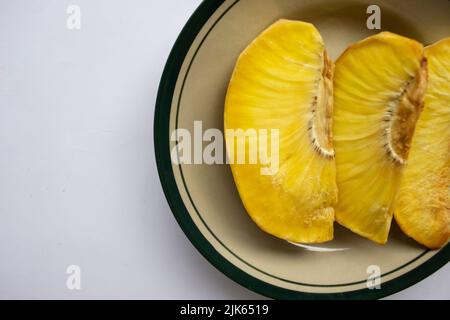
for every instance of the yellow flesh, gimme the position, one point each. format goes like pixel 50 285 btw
pixel 423 207
pixel 283 81
pixel 379 87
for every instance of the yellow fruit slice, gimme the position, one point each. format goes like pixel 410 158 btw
pixel 423 207
pixel 283 83
pixel 379 88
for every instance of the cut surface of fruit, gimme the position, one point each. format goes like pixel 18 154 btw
pixel 423 207
pixel 379 88
pixel 283 83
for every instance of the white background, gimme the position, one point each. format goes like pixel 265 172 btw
pixel 78 179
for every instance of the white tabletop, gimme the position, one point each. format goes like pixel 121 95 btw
pixel 78 180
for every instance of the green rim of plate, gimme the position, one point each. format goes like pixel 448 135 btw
pixel 166 175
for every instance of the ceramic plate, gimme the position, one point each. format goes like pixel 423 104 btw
pixel 204 198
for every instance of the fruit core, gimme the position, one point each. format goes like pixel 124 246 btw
pixel 321 123
pixel 403 113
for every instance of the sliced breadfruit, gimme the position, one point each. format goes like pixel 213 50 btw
pixel 283 83
pixel 423 206
pixel 379 89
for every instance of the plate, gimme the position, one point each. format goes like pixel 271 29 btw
pixel 203 197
